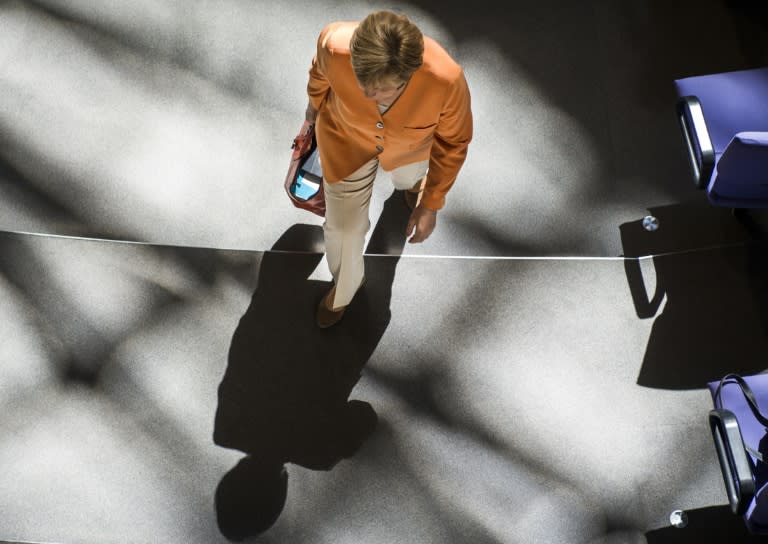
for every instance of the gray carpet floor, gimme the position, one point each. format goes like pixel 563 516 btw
pixel 537 369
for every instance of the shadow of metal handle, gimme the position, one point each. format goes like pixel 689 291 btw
pixel 644 307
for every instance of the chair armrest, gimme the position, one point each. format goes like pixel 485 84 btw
pixel 701 152
pixel 752 138
pixel 746 155
pixel 742 169
pixel 734 463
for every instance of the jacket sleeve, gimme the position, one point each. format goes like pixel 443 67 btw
pixel 451 141
pixel 318 85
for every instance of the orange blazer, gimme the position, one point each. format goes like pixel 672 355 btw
pixel 432 118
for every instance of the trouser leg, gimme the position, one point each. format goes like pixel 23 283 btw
pixel 410 175
pixel 345 227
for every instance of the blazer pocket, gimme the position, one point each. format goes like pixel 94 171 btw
pixel 420 136
pixel 421 127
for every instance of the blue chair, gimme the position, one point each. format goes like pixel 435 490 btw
pixel 740 432
pixel 724 119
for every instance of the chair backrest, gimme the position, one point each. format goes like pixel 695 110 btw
pixel 753 433
pixel 742 169
pixel 732 398
pixel 731 101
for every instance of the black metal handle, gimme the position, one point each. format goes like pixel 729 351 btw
pixel 734 463
pixel 701 152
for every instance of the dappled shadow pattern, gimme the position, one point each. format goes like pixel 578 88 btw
pixel 714 320
pixel 79 344
pixel 284 395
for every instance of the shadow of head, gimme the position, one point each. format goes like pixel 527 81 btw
pixel 250 498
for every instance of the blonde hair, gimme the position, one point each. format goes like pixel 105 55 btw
pixel 385 45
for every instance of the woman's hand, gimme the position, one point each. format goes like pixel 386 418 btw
pixel 421 224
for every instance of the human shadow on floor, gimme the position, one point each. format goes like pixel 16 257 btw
pixel 711 524
pixel 711 281
pixel 284 395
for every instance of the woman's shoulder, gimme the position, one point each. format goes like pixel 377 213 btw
pixel 438 62
pixel 335 36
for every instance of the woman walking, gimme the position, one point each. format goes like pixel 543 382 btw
pixel 382 94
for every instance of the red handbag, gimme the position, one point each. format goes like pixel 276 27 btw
pixel 305 188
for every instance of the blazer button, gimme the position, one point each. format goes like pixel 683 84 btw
pixel 379 148
pixel 379 125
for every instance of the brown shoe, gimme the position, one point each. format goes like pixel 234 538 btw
pixel 413 195
pixel 325 316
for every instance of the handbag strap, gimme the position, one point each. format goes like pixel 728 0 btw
pixel 748 395
pixel 306 138
pixel 751 399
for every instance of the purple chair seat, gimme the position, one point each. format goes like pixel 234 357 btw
pixel 741 441
pixel 714 112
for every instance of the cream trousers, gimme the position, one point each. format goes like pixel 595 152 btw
pixel 347 222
